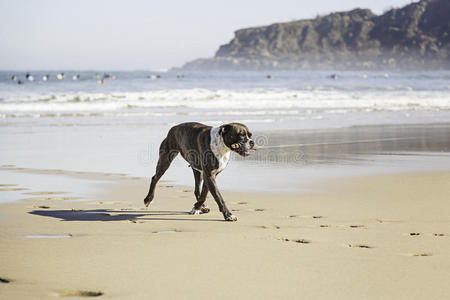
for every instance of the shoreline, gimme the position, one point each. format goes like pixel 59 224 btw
pixel 293 158
pixel 382 236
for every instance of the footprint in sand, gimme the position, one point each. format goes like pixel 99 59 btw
pixel 167 231
pixel 438 234
pixel 4 280
pixel 324 225
pixel 135 222
pixel 268 227
pixel 259 209
pixel 364 246
pixel 298 241
pixel 422 254
pixel 302 241
pixel 313 217
pixel 79 293
pixel 356 226
pixel 419 254
pixel 51 198
pixel 414 233
pixel 41 206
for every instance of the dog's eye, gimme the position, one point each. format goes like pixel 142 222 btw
pixel 249 134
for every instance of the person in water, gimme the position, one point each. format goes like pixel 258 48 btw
pixel 29 77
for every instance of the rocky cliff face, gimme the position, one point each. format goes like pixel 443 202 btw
pixel 413 37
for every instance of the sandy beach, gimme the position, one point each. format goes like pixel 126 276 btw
pixel 371 237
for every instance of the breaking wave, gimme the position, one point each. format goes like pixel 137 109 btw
pixel 228 102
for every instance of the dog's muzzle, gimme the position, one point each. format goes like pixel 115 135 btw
pixel 243 148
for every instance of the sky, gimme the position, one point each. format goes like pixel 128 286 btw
pixel 140 34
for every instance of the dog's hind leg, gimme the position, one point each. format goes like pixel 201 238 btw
pixel 199 206
pixel 166 156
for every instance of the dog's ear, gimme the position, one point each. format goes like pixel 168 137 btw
pixel 224 129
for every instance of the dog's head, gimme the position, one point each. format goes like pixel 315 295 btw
pixel 238 138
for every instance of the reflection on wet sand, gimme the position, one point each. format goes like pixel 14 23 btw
pixel 351 144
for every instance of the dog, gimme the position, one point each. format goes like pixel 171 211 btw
pixel 207 150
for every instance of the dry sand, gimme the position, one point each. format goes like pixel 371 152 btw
pixel 382 237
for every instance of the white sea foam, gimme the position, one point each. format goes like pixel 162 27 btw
pixel 216 102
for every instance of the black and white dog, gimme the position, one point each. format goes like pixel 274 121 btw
pixel 207 150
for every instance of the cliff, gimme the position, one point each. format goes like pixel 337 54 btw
pixel 413 37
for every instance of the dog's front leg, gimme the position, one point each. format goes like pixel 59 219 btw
pixel 212 187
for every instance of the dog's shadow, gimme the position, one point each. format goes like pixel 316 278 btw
pixel 106 215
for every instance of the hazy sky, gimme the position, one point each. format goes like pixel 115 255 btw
pixel 139 34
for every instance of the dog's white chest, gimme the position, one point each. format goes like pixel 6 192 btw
pixel 223 161
pixel 219 149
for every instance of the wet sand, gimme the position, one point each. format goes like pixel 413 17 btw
pixel 370 237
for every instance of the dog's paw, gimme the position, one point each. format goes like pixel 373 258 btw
pixel 205 209
pixel 231 218
pixel 147 200
pixel 195 211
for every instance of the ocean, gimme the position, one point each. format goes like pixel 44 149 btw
pixel 277 99
pixel 307 123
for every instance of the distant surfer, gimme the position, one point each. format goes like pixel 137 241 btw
pixel 76 77
pixel 14 78
pixel 60 76
pixel 334 76
pixel 29 77
pixel 45 77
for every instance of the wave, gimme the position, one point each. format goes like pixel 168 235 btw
pixel 231 102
